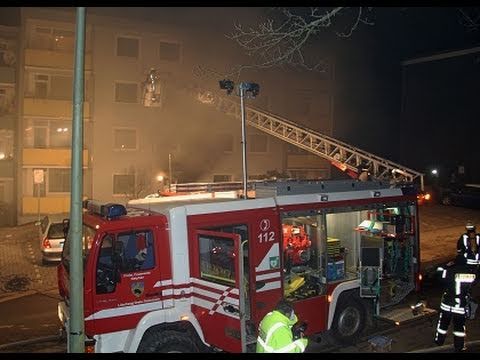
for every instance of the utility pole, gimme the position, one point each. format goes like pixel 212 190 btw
pixel 245 89
pixel 76 335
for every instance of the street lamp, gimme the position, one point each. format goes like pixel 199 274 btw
pixel 249 90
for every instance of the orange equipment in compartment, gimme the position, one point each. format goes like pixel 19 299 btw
pixel 296 244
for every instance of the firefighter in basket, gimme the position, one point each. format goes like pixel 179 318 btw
pixel 277 333
pixel 455 303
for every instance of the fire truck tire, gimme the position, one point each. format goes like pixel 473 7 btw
pixel 168 341
pixel 349 320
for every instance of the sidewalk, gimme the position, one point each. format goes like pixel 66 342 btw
pixel 21 270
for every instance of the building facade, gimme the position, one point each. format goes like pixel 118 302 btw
pixel 128 145
pixel 8 122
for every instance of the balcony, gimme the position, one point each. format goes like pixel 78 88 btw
pixel 47 205
pixel 50 157
pixel 54 59
pixel 51 108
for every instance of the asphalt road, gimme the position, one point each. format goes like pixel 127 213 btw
pixel 35 315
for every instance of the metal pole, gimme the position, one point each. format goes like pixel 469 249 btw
pixel 170 172
pixel 244 140
pixel 38 203
pixel 76 336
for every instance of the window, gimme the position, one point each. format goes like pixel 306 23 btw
pixel 126 92
pixel 222 178
pixel 169 51
pixel 304 101
pixel 123 184
pixel 129 252
pixel 41 85
pixel 257 143
pixel 128 46
pixel 217 259
pixel 59 180
pixel 49 38
pixel 125 139
pixel 6 144
pixel 41 134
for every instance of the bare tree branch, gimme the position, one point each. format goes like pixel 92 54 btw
pixel 470 18
pixel 283 42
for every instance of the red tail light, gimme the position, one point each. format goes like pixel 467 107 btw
pixel 46 244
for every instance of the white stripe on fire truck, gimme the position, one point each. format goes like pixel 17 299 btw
pixel 270 286
pixel 126 310
pixel 215 296
pixel 162 283
pixel 273 275
pixel 213 285
pixel 265 263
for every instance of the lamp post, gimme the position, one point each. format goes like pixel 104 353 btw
pixel 244 89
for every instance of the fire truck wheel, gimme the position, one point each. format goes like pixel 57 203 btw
pixel 167 341
pixel 349 321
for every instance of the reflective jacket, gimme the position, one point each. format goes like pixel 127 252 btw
pixel 464 248
pixel 275 335
pixel 458 281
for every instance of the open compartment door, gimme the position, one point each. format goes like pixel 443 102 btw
pixel 217 302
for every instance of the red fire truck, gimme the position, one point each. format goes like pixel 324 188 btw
pixel 189 275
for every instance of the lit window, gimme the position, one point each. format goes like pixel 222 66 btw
pixel 127 46
pixel 126 92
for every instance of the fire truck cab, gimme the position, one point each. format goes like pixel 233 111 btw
pixel 197 274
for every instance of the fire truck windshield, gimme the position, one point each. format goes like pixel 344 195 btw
pixel 88 233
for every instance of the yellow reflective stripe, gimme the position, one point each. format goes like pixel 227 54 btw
pixel 441 331
pixel 299 343
pixel 274 328
pixel 286 349
pixel 459 334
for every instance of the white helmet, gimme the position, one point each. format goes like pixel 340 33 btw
pixel 470 226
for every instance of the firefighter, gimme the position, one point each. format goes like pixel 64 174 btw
pixel 454 303
pixel 468 245
pixel 275 333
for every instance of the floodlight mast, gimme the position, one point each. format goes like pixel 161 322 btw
pixel 245 89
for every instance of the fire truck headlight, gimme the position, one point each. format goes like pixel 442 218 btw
pixel 184 317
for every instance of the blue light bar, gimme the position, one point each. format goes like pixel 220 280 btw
pixel 108 211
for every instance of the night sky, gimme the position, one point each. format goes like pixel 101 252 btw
pixel 368 81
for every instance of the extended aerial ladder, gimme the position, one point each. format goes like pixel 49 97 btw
pixel 347 158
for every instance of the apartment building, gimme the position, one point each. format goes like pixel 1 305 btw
pixel 126 144
pixel 45 108
pixel 8 122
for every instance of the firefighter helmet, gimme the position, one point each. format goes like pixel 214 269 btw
pixel 470 226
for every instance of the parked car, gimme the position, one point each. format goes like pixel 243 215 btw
pixel 466 195
pixel 52 237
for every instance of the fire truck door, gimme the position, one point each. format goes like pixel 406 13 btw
pixel 265 265
pixel 217 302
